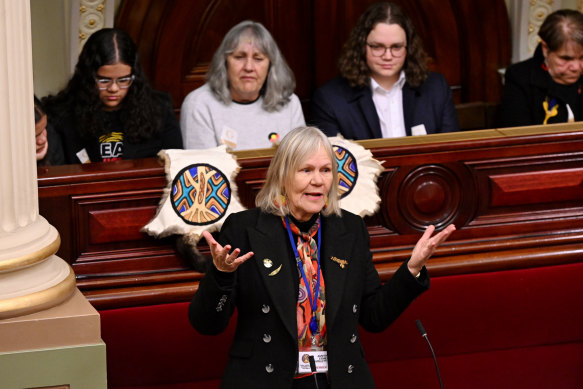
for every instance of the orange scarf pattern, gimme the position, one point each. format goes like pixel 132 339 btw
pixel 308 252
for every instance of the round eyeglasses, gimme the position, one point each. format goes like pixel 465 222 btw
pixel 379 50
pixel 122 82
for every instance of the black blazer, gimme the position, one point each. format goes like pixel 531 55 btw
pixel 339 108
pixel 264 351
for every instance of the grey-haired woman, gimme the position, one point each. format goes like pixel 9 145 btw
pixel 248 100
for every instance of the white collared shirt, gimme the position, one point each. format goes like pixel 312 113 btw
pixel 389 106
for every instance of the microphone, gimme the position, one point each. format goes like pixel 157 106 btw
pixel 313 368
pixel 424 334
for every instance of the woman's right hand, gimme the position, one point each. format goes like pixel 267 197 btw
pixel 222 260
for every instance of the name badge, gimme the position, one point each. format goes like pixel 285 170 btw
pixel 229 137
pixel 418 130
pixel 320 359
pixel 83 156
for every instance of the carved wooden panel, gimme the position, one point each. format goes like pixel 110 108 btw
pixel 515 197
pixel 537 187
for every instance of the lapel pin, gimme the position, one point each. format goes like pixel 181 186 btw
pixel 267 263
pixel 341 262
pixel 275 271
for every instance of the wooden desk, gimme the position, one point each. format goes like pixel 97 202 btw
pixel 515 195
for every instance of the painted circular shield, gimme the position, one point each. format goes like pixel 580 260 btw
pixel 200 194
pixel 347 171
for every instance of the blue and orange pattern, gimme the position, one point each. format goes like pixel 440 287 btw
pixel 347 171
pixel 200 194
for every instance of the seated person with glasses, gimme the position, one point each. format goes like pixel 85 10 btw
pixel 385 89
pixel 108 110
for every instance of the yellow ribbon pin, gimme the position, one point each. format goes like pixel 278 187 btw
pixel 549 113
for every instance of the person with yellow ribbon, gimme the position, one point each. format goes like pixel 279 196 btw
pixel 546 88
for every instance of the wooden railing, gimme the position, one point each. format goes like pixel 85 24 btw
pixel 515 195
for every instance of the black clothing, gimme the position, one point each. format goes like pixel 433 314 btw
pixel 527 85
pixel 338 108
pixel 55 154
pixel 264 291
pixel 112 144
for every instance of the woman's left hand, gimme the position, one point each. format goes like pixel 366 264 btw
pixel 426 246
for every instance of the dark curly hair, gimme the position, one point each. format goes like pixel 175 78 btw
pixel 141 110
pixel 352 62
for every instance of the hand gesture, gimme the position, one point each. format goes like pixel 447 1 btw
pixel 426 246
pixel 224 261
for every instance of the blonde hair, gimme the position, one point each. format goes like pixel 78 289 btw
pixel 297 146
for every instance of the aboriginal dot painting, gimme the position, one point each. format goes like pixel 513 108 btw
pixel 347 171
pixel 200 194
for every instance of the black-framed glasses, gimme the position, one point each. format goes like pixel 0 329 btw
pixel 104 83
pixel 397 50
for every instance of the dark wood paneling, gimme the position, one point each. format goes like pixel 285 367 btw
pixel 468 41
pixel 515 197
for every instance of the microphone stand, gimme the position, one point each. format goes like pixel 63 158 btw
pixel 424 334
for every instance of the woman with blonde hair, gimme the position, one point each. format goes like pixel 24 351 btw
pixel 298 270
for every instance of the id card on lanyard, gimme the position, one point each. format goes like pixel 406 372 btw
pixel 313 301
pixel 320 359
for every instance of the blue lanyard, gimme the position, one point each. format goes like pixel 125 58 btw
pixel 313 324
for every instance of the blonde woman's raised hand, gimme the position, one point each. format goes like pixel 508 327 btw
pixel 223 260
pixel 426 246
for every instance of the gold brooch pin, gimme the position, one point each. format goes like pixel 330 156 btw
pixel 341 262
pixel 267 263
pixel 275 271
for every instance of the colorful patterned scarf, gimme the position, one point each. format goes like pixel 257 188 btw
pixel 308 252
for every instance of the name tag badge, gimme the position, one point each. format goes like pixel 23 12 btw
pixel 570 116
pixel 229 137
pixel 83 156
pixel 320 358
pixel 418 130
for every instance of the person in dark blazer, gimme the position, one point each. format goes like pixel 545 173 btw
pixel 546 88
pixel 265 257
pixel 385 88
pixel 108 110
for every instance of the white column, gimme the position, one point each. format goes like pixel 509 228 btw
pixel 32 278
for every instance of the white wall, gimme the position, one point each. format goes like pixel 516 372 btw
pixel 49 24
pixel 51 41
